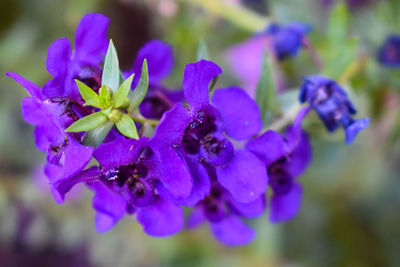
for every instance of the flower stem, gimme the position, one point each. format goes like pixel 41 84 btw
pixel 143 120
pixel 235 13
pixel 287 117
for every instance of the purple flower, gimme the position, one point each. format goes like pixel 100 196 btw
pixel 389 53
pixel 200 131
pixel 127 181
pixel 160 61
pixel 224 214
pixel 66 157
pixel 285 157
pixel 332 104
pixel 83 63
pixel 281 41
pixel 287 40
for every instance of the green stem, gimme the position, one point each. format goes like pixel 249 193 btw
pixel 287 118
pixel 144 120
pixel 237 14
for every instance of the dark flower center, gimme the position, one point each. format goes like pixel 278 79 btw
pixel 91 77
pixel 153 107
pixel 280 179
pixel 133 183
pixel 200 127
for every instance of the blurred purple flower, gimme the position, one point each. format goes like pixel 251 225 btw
pixel 160 62
pixel 332 104
pixel 389 53
pixel 286 157
pixel 281 41
pixel 83 63
pixel 200 131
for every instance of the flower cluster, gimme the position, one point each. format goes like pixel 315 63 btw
pixel 158 150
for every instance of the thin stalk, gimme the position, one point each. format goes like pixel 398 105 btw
pixel 235 13
pixel 144 120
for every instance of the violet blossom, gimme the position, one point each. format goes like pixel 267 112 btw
pixel 281 41
pixel 200 131
pixel 332 104
pixel 83 63
pixel 224 212
pixel 66 156
pixel 389 53
pixel 126 181
pixel 285 157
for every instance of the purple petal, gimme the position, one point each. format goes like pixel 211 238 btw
pixel 171 127
pixel 195 218
pixel 58 57
pixel 57 64
pixel 216 149
pixel 201 184
pixel 245 59
pixel 294 133
pixel 41 140
pixel 240 114
pixel 121 151
pixel 269 146
pixel 33 111
pixel 62 187
pixel 245 177
pixel 174 174
pixel 91 40
pixel 159 61
pixel 29 86
pixel 352 130
pixel 249 210
pixel 110 206
pixel 232 231
pixel 77 156
pixel 301 156
pixel 285 207
pixel 196 79
pixel 161 219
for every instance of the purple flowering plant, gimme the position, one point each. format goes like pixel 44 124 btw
pixel 151 152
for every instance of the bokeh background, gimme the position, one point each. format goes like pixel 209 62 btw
pixel 350 214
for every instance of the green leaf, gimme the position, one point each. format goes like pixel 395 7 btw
pixel 340 58
pixel 127 127
pixel 88 95
pixel 338 23
pixel 266 94
pixel 136 96
pixel 87 123
pixel 104 97
pixel 110 76
pixel 122 92
pixel 202 51
pixel 95 137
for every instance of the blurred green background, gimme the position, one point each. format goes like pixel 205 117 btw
pixel 350 214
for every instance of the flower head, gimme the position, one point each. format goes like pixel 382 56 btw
pixel 82 64
pixel 280 41
pixel 126 181
pixel 332 104
pixel 389 53
pixel 285 157
pixel 201 131
pixel 224 213
pixel 66 156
